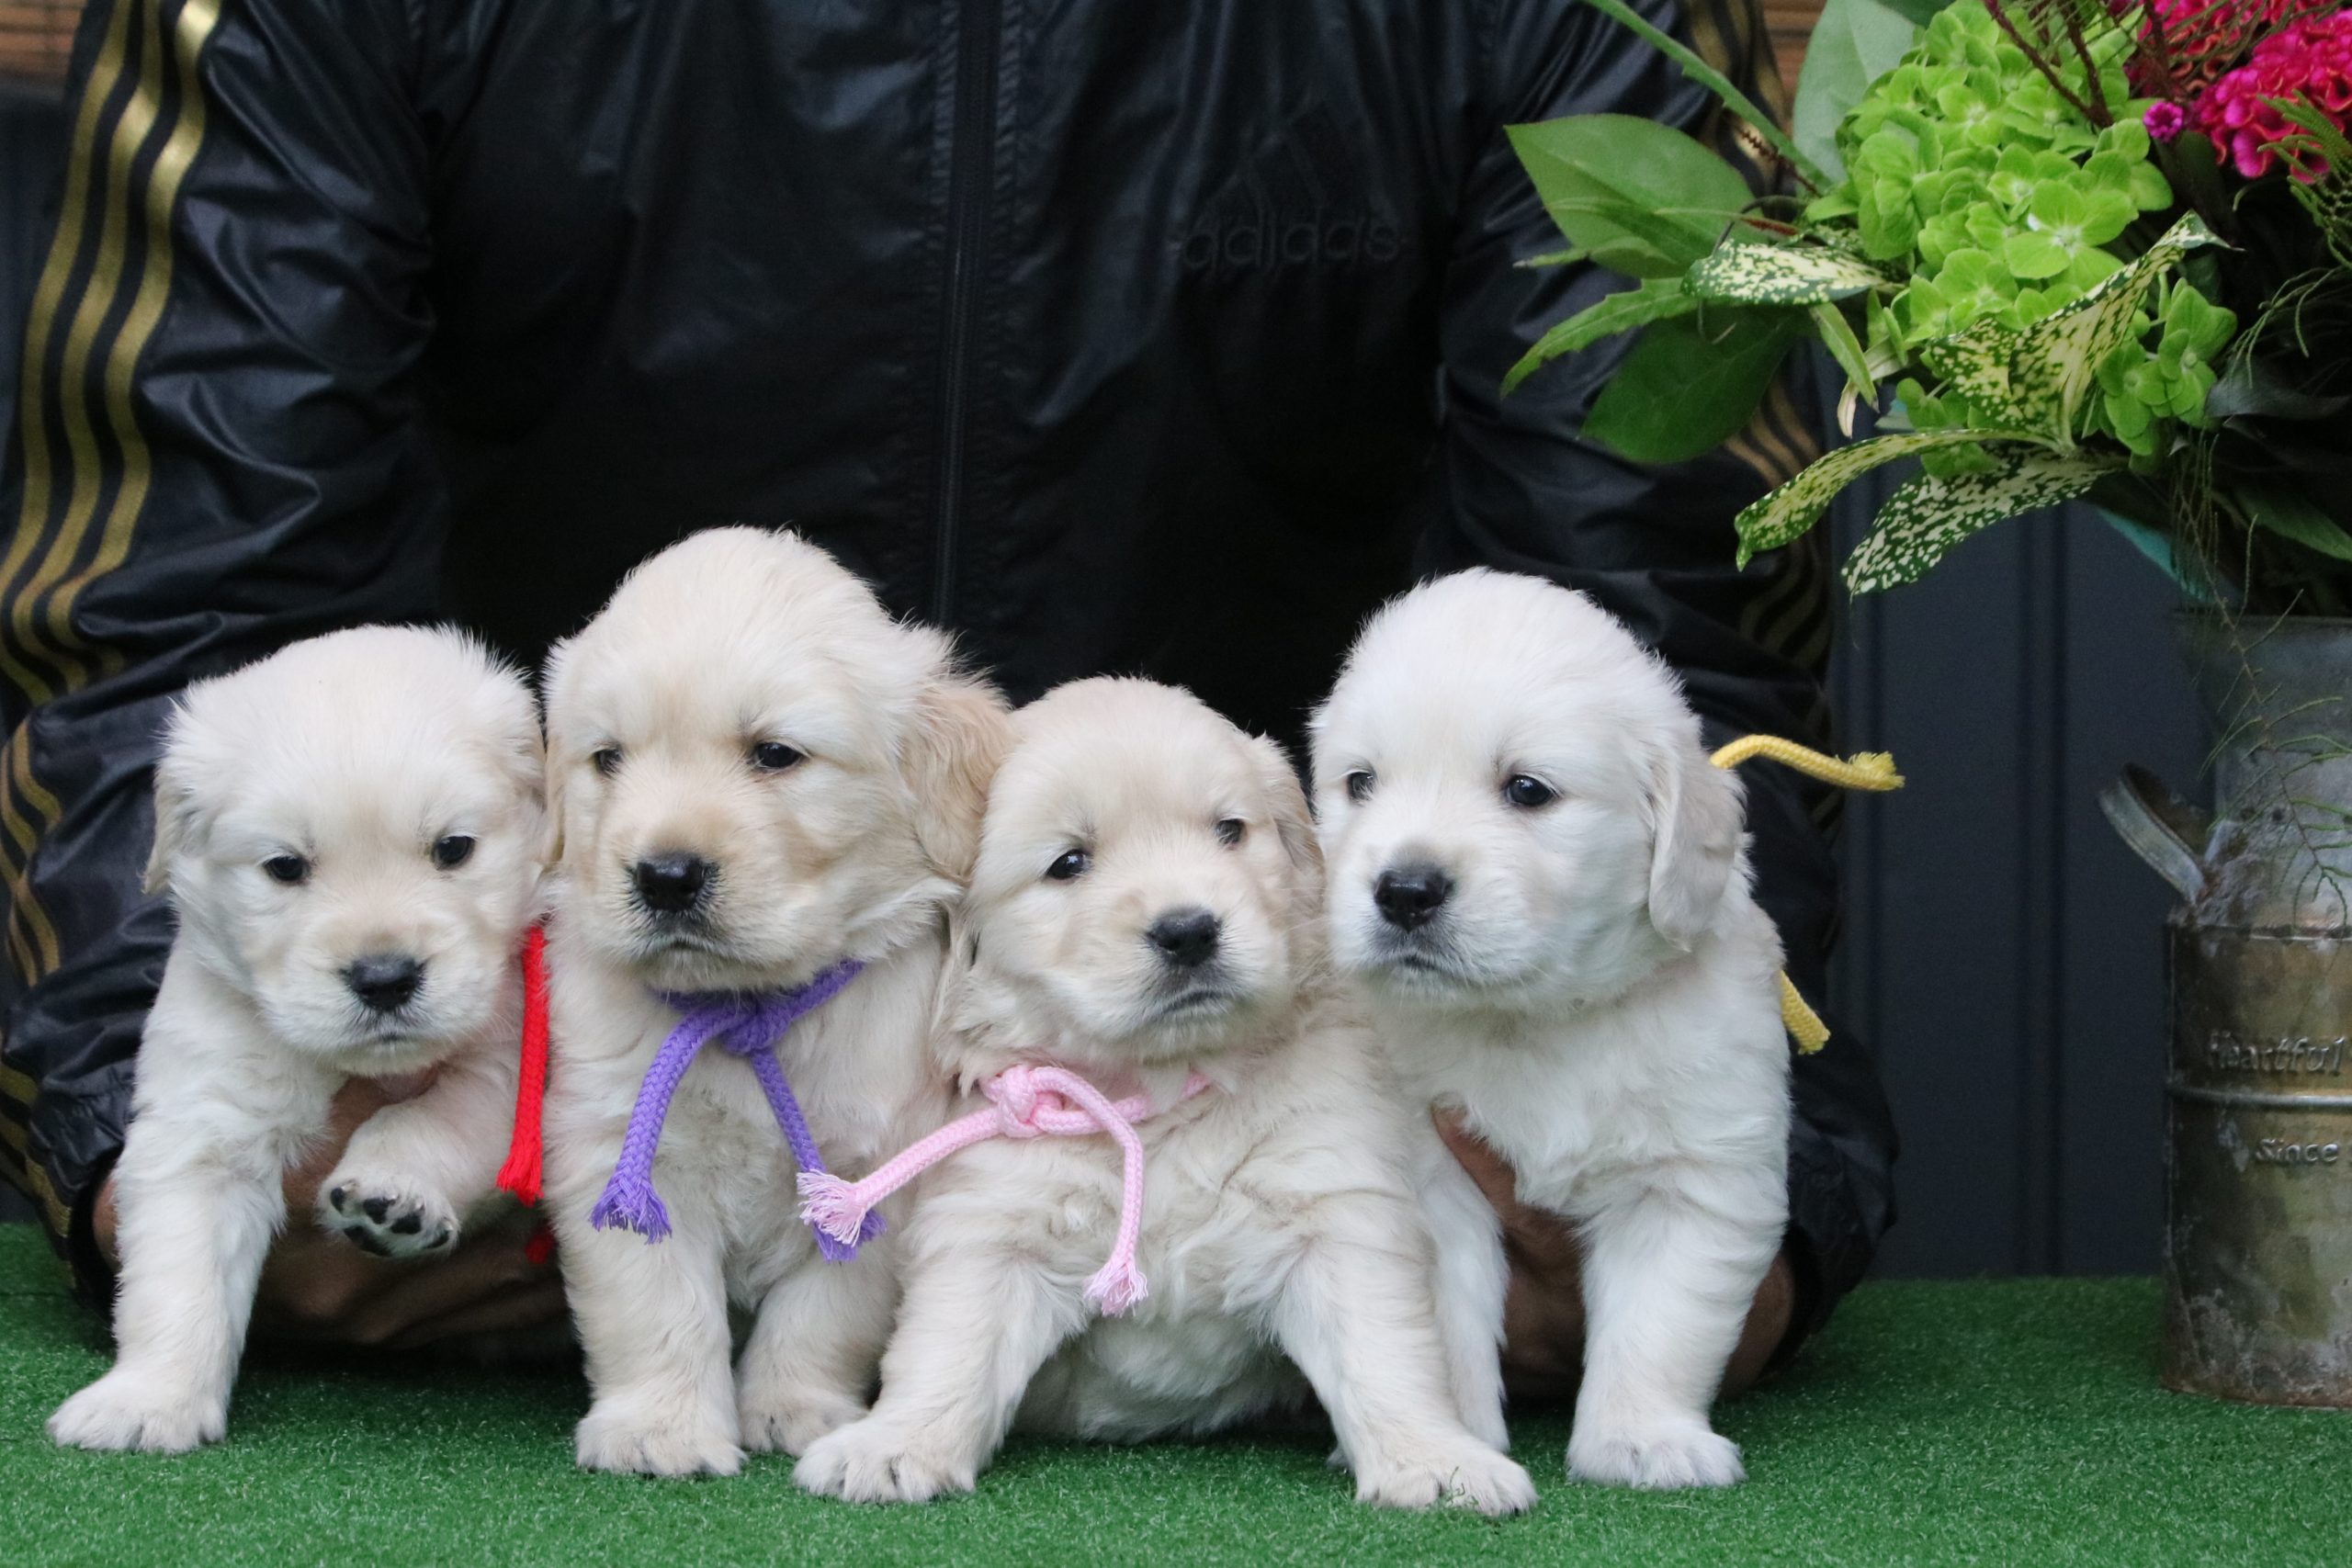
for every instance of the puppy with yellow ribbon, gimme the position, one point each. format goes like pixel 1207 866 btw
pixel 1538 882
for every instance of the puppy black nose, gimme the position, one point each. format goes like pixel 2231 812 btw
pixel 671 883
pixel 1186 938
pixel 384 981
pixel 1409 895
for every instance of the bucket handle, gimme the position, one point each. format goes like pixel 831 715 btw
pixel 2163 829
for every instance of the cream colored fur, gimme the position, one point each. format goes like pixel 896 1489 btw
pixel 733 639
pixel 1597 992
pixel 358 753
pixel 1281 1234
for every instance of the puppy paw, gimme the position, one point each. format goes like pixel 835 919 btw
pixel 1658 1458
pixel 875 1461
pixel 387 1214
pixel 126 1410
pixel 1459 1476
pixel 787 1423
pixel 621 1439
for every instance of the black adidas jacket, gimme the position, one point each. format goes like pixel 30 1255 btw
pixel 1118 335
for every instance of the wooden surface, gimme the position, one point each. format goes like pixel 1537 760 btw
pixel 35 36
pixel 1790 22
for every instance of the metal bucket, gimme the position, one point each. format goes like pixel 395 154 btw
pixel 2258 1164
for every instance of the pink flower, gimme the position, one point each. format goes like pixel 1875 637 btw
pixel 2311 59
pixel 2204 38
pixel 2163 120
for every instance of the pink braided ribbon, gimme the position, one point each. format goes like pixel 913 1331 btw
pixel 1024 1103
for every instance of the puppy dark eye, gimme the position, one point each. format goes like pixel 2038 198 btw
pixel 1231 831
pixel 1360 786
pixel 1069 867
pixel 1530 791
pixel 292 869
pixel 774 756
pixel 607 759
pixel 452 852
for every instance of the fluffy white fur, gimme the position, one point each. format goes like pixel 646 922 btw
pixel 356 753
pixel 733 640
pixel 1596 991
pixel 1281 1233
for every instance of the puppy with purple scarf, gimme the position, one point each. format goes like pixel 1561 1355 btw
pixel 767 793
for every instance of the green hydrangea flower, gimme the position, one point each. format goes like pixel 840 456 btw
pixel 1971 177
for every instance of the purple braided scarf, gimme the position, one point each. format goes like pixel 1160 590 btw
pixel 749 1025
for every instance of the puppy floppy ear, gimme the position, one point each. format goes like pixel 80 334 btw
pixel 1294 822
pixel 1695 821
pixel 961 730
pixel 176 824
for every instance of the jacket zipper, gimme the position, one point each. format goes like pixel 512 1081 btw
pixel 981 29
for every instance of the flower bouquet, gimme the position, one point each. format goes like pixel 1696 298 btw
pixel 2074 249
pixel 2063 248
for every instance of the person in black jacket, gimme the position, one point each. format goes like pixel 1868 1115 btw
pixel 1161 339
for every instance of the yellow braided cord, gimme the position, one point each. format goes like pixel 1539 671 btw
pixel 1870 770
pixel 1804 1024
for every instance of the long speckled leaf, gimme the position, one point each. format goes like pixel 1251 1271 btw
pixel 1921 522
pixel 1780 274
pixel 2057 357
pixel 1976 362
pixel 1788 512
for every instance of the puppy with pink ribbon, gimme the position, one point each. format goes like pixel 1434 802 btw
pixel 1184 1190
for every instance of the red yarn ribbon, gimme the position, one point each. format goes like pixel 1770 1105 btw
pixel 522 1172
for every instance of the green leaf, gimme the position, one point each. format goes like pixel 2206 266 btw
pixel 2057 357
pixel 1615 182
pixel 1692 382
pixel 1924 520
pixel 1919 11
pixel 1715 82
pixel 1556 258
pixel 1780 274
pixel 1797 505
pixel 1645 242
pixel 1656 299
pixel 2287 515
pixel 1854 43
pixel 1837 334
pixel 1974 364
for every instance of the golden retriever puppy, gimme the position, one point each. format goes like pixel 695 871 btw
pixel 1144 925
pixel 350 834
pixel 768 793
pixel 1541 885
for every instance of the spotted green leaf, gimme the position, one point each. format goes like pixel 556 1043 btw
pixel 1655 300
pixel 1752 274
pixel 1788 512
pixel 1921 522
pixel 2056 359
pixel 1974 363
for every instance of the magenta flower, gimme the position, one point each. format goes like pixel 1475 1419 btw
pixel 2204 38
pixel 2163 120
pixel 2312 60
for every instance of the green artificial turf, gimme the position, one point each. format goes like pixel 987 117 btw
pixel 2001 1423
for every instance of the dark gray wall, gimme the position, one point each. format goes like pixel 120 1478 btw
pixel 2001 951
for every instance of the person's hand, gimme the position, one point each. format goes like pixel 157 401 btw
pixel 319 1287
pixel 1543 1312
